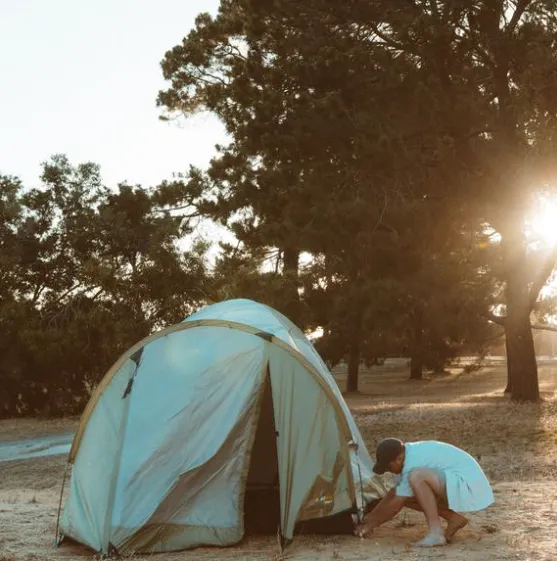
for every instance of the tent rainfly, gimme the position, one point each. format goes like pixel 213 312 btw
pixel 191 420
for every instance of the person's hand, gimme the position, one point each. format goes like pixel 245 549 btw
pixel 363 530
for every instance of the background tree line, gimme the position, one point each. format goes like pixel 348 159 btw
pixel 85 271
pixel 383 158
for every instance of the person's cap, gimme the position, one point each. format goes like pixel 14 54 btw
pixel 387 451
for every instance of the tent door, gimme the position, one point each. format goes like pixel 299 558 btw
pixel 262 499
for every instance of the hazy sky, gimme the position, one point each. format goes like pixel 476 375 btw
pixel 81 77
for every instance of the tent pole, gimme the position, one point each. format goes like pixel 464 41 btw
pixel 361 511
pixel 57 539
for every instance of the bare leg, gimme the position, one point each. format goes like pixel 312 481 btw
pixel 455 521
pixel 427 490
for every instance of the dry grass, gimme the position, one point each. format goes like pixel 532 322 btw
pixel 512 441
pixel 516 444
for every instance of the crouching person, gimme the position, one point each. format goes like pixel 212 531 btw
pixel 437 478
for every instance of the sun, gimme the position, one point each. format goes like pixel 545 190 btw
pixel 543 222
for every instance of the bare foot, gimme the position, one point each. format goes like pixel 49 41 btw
pixel 455 523
pixel 432 540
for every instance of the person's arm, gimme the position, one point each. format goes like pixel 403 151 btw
pixel 388 508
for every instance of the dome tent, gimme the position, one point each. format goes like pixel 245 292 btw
pixel 192 418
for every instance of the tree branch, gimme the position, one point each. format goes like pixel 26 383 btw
pixel 542 277
pixel 499 320
pixel 482 53
pixel 177 208
pixel 521 7
pixel 389 41
pixel 99 292
pixel 434 8
pixel 209 79
pixel 38 291
pixel 67 292
pixel 380 221
pixel 234 51
pixel 544 327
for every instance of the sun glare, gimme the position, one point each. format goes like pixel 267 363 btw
pixel 543 223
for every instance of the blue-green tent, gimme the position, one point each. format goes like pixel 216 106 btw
pixel 187 420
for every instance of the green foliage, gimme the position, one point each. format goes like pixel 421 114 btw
pixel 86 273
pixel 381 141
pixel 347 117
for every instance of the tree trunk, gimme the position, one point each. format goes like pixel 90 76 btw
pixel 355 321
pixel 416 358
pixel 508 349
pixel 522 368
pixel 291 305
pixel 416 366
pixel 353 365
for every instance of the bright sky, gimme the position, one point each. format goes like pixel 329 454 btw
pixel 81 77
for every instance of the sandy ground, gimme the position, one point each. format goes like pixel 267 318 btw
pixel 516 444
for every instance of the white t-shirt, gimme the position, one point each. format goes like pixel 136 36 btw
pixel 468 489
